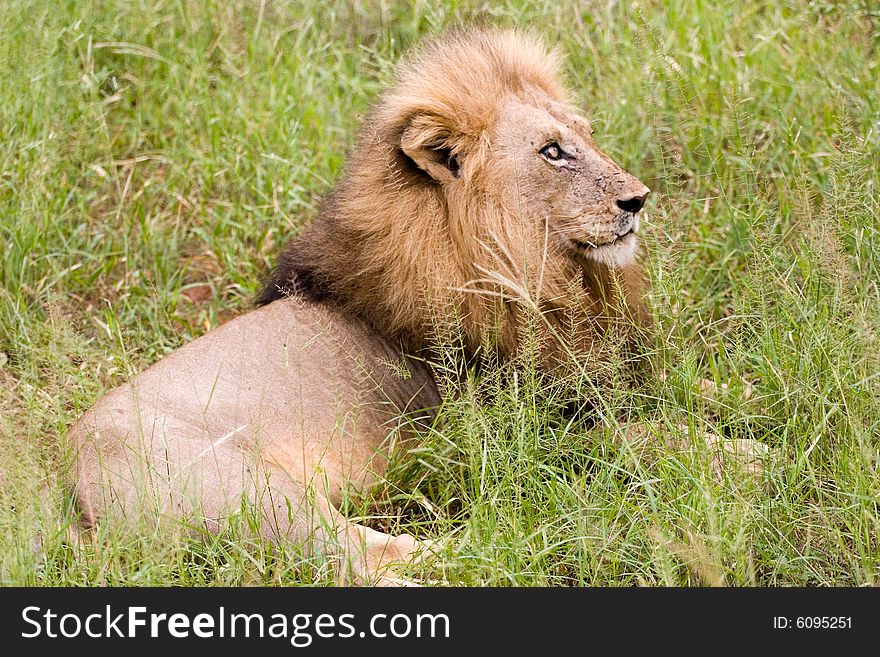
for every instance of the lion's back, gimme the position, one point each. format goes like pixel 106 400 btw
pixel 300 384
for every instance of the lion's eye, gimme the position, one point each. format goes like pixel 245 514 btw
pixel 552 152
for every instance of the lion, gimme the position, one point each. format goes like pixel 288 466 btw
pixel 475 197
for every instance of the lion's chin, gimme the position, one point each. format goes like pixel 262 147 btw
pixel 619 253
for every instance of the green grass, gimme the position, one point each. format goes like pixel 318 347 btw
pixel 155 155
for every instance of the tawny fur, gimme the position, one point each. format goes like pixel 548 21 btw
pixel 475 202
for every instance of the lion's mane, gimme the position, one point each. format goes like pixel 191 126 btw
pixel 397 249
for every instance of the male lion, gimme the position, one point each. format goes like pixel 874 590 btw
pixel 475 198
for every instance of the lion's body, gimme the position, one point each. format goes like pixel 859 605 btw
pixel 246 397
pixel 474 200
pixel 289 397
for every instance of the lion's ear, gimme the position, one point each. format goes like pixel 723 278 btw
pixel 429 144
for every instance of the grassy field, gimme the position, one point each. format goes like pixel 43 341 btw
pixel 155 155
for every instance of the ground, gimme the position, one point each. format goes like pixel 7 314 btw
pixel 155 155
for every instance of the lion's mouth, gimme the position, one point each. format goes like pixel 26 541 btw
pixel 628 221
pixel 584 245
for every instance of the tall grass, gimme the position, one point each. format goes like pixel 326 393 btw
pixel 155 155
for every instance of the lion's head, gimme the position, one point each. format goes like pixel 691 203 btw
pixel 475 191
pixel 485 113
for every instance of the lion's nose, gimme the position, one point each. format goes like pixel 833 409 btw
pixel 632 203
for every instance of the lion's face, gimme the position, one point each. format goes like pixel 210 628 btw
pixel 555 174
